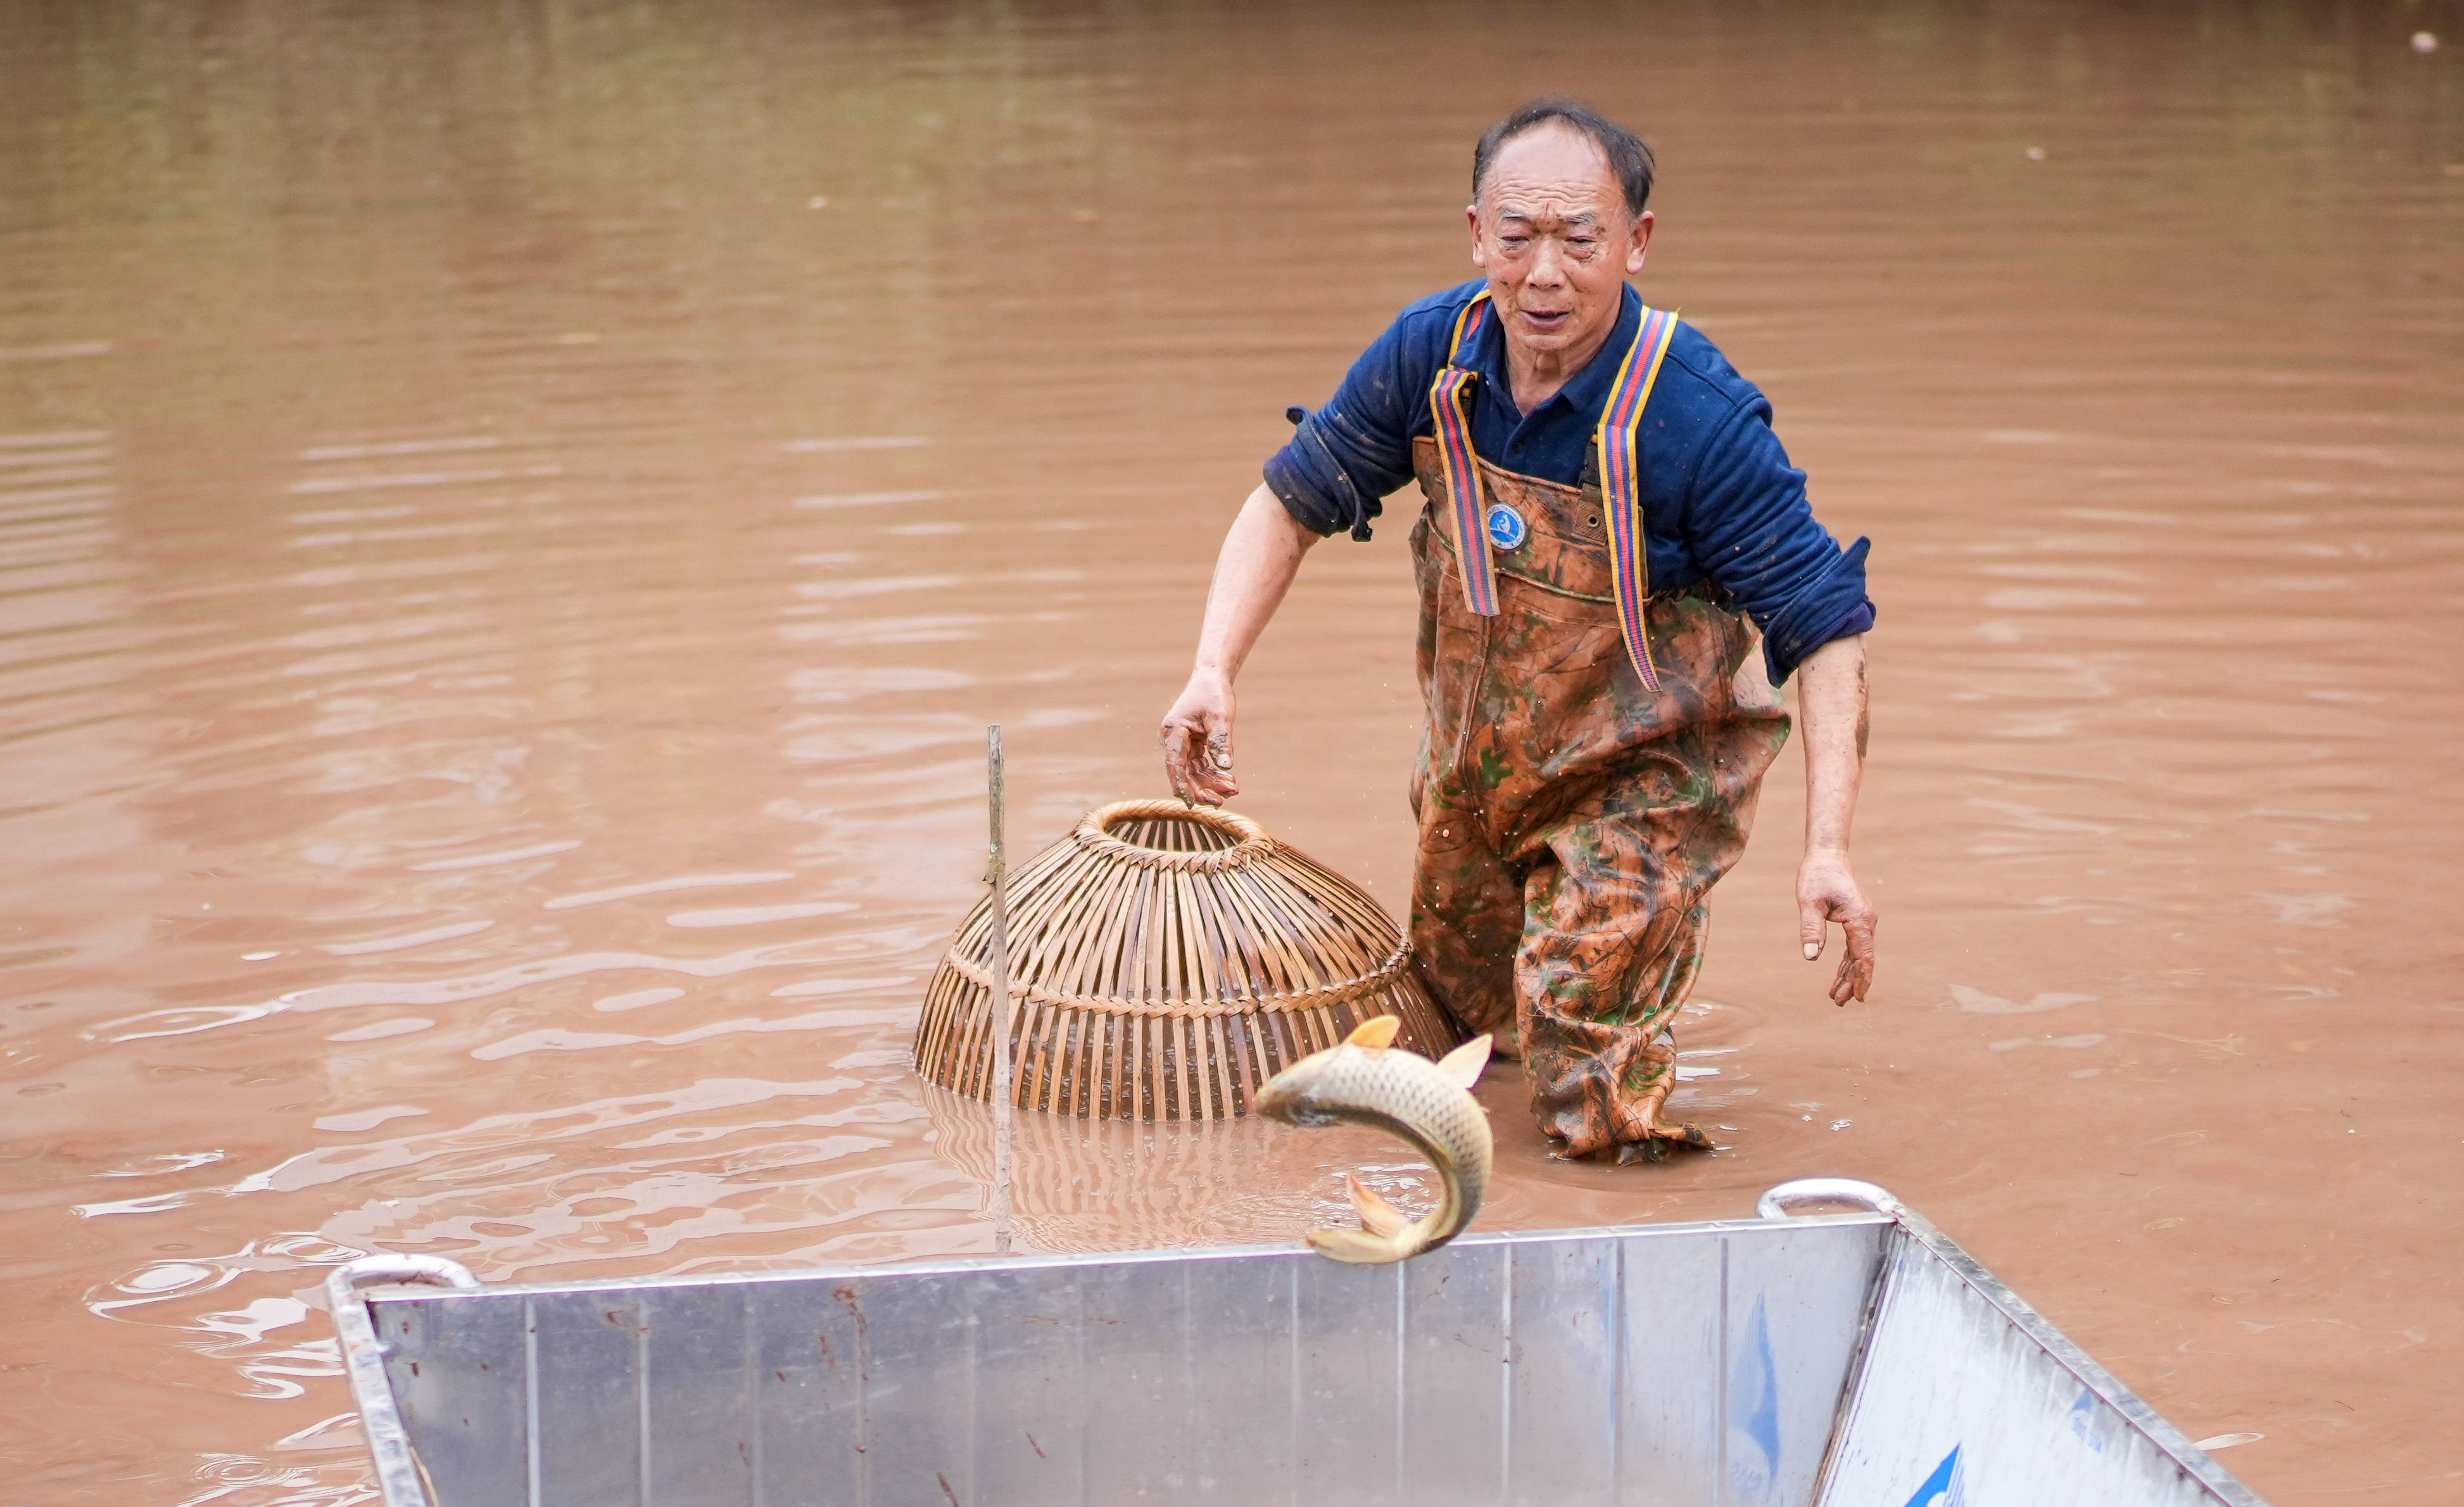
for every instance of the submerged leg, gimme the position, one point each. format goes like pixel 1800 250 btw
pixel 1613 934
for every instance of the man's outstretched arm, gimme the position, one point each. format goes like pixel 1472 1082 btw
pixel 1830 695
pixel 1261 556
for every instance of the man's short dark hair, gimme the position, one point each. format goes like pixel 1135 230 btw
pixel 1628 157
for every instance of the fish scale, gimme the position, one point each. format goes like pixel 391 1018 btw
pixel 1365 1081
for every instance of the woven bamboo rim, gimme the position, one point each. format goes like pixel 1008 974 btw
pixel 1165 961
pixel 1249 840
pixel 1344 992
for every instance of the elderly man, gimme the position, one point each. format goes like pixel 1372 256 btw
pixel 1606 509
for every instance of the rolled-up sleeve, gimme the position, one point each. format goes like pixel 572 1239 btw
pixel 1754 532
pixel 1345 458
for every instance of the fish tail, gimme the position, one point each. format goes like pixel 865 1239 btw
pixel 1360 1247
pixel 1376 1216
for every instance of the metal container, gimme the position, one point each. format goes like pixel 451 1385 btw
pixel 1856 1359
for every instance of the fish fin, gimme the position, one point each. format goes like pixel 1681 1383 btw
pixel 1376 1031
pixel 1465 1063
pixel 1378 1216
pixel 1357 1247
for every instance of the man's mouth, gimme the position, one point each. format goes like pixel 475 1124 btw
pixel 1547 319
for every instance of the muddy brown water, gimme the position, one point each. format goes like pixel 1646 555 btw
pixel 513 521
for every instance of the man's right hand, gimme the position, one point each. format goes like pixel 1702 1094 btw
pixel 1260 555
pixel 1197 740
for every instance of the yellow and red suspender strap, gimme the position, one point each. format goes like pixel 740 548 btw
pixel 1621 487
pixel 1462 473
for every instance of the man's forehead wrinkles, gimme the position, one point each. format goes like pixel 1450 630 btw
pixel 1536 201
pixel 1546 214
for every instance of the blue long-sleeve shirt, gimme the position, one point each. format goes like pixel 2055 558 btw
pixel 1720 498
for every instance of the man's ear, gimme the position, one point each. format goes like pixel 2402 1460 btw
pixel 1479 253
pixel 1642 243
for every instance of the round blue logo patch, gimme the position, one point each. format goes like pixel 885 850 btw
pixel 1507 529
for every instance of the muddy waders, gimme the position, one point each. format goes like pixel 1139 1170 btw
pixel 1578 794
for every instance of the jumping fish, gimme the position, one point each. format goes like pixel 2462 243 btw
pixel 1368 1082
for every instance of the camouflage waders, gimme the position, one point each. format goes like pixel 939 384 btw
pixel 1573 822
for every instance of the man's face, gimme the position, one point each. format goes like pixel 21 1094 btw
pixel 1552 232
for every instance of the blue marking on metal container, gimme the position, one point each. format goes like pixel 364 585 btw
pixel 1753 1406
pixel 1943 1488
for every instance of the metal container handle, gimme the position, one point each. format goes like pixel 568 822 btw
pixel 1774 1204
pixel 399 1475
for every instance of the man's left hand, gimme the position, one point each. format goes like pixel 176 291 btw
pixel 1827 892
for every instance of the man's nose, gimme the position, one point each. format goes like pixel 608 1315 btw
pixel 1548 266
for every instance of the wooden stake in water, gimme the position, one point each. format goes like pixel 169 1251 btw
pixel 997 875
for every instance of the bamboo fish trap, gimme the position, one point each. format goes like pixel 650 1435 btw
pixel 1165 962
